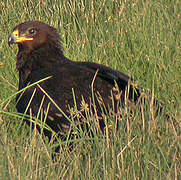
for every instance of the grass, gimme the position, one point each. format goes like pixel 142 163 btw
pixel 140 38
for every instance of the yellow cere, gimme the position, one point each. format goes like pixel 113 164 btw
pixel 20 39
pixel 16 33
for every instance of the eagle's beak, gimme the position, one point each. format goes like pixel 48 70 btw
pixel 15 37
pixel 11 40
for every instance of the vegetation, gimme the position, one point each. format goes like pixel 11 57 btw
pixel 139 38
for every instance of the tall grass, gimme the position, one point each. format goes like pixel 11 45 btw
pixel 140 38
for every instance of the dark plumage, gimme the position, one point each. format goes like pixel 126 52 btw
pixel 40 55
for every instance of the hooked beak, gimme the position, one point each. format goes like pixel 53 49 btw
pixel 11 40
pixel 16 38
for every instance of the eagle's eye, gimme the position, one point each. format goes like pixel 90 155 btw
pixel 32 31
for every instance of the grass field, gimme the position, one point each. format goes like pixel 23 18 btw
pixel 141 38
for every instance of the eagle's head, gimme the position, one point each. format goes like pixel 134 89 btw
pixel 33 35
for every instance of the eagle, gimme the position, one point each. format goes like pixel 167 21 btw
pixel 60 91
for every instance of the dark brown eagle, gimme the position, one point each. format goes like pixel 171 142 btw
pixel 66 83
